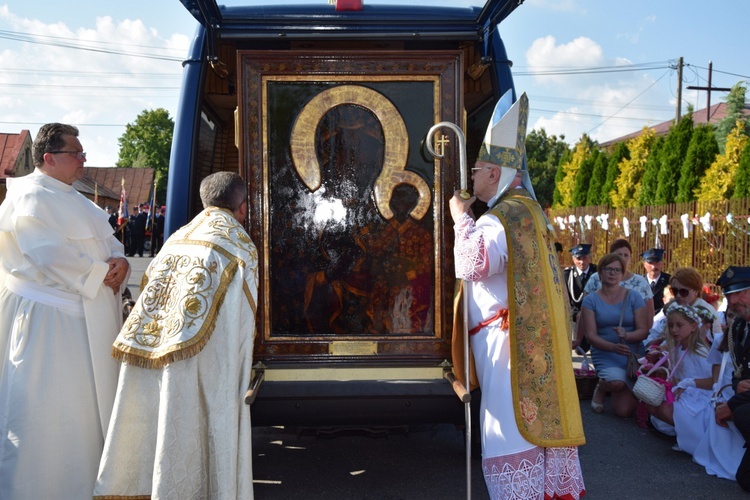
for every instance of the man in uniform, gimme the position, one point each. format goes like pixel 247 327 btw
pixel 577 275
pixel 180 428
pixel 735 284
pixel 653 263
pixel 518 323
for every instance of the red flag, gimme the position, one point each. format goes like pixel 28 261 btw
pixel 122 212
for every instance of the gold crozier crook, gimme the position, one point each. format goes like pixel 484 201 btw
pixel 466 284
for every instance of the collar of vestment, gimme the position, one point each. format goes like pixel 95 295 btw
pixel 183 290
pixel 56 204
pixel 545 398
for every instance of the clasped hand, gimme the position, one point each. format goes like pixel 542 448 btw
pixel 118 270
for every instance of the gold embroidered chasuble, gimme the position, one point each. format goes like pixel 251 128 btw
pixel 545 398
pixel 183 290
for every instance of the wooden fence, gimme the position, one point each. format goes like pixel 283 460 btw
pixel 708 236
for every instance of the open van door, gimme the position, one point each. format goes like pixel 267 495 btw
pixel 325 113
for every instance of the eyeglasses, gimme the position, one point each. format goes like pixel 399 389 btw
pixel 611 270
pixel 80 155
pixel 682 292
pixel 474 169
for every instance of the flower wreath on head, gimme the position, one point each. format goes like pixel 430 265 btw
pixel 706 316
pixel 688 311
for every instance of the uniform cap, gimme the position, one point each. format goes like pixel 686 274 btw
pixel 653 255
pixel 734 279
pixel 581 250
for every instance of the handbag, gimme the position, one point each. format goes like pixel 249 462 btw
pixel 633 365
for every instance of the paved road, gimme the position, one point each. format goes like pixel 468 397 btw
pixel 138 266
pixel 620 461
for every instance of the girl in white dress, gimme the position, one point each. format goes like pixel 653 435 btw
pixel 690 413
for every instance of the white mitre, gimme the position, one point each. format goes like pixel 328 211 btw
pixel 504 143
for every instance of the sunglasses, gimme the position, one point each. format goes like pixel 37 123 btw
pixel 682 292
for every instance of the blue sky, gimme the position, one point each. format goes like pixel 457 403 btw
pixel 621 50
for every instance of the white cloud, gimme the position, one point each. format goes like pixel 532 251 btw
pixel 602 103
pixel 94 89
pixel 546 55
pixel 634 37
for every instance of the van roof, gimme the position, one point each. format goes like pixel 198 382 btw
pixel 409 18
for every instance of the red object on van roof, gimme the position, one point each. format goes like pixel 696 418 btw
pixel 348 5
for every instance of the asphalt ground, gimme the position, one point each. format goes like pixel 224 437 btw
pixel 619 461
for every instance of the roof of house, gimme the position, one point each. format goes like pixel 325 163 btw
pixel 10 148
pixel 89 186
pixel 716 113
pixel 138 182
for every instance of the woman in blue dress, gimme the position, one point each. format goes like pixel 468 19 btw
pixel 613 339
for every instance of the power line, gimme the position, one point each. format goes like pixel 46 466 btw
pixel 72 43
pixel 626 105
pixel 624 68
pixel 718 71
pixel 77 73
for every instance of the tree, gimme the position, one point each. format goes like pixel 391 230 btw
pixel 628 183
pixel 735 108
pixel 147 142
pixel 543 154
pixel 566 186
pixel 598 177
pixel 557 198
pixel 718 183
pixel 650 179
pixel 700 154
pixel 583 177
pixel 742 182
pixel 672 158
pixel 620 153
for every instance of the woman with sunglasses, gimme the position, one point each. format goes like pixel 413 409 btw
pixel 615 321
pixel 687 285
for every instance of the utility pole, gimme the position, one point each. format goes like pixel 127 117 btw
pixel 679 89
pixel 708 90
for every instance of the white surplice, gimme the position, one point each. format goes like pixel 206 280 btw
pixel 57 324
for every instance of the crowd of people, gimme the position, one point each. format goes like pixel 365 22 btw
pixel 141 231
pixel 153 406
pixel 674 330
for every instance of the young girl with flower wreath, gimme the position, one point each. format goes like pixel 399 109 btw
pixel 687 406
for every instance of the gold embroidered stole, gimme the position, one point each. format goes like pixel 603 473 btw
pixel 545 398
pixel 183 291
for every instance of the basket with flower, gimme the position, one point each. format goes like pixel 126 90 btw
pixel 586 378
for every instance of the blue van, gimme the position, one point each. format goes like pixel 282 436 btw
pixel 324 106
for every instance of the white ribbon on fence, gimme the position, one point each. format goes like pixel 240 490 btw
pixel 685 218
pixel 663 224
